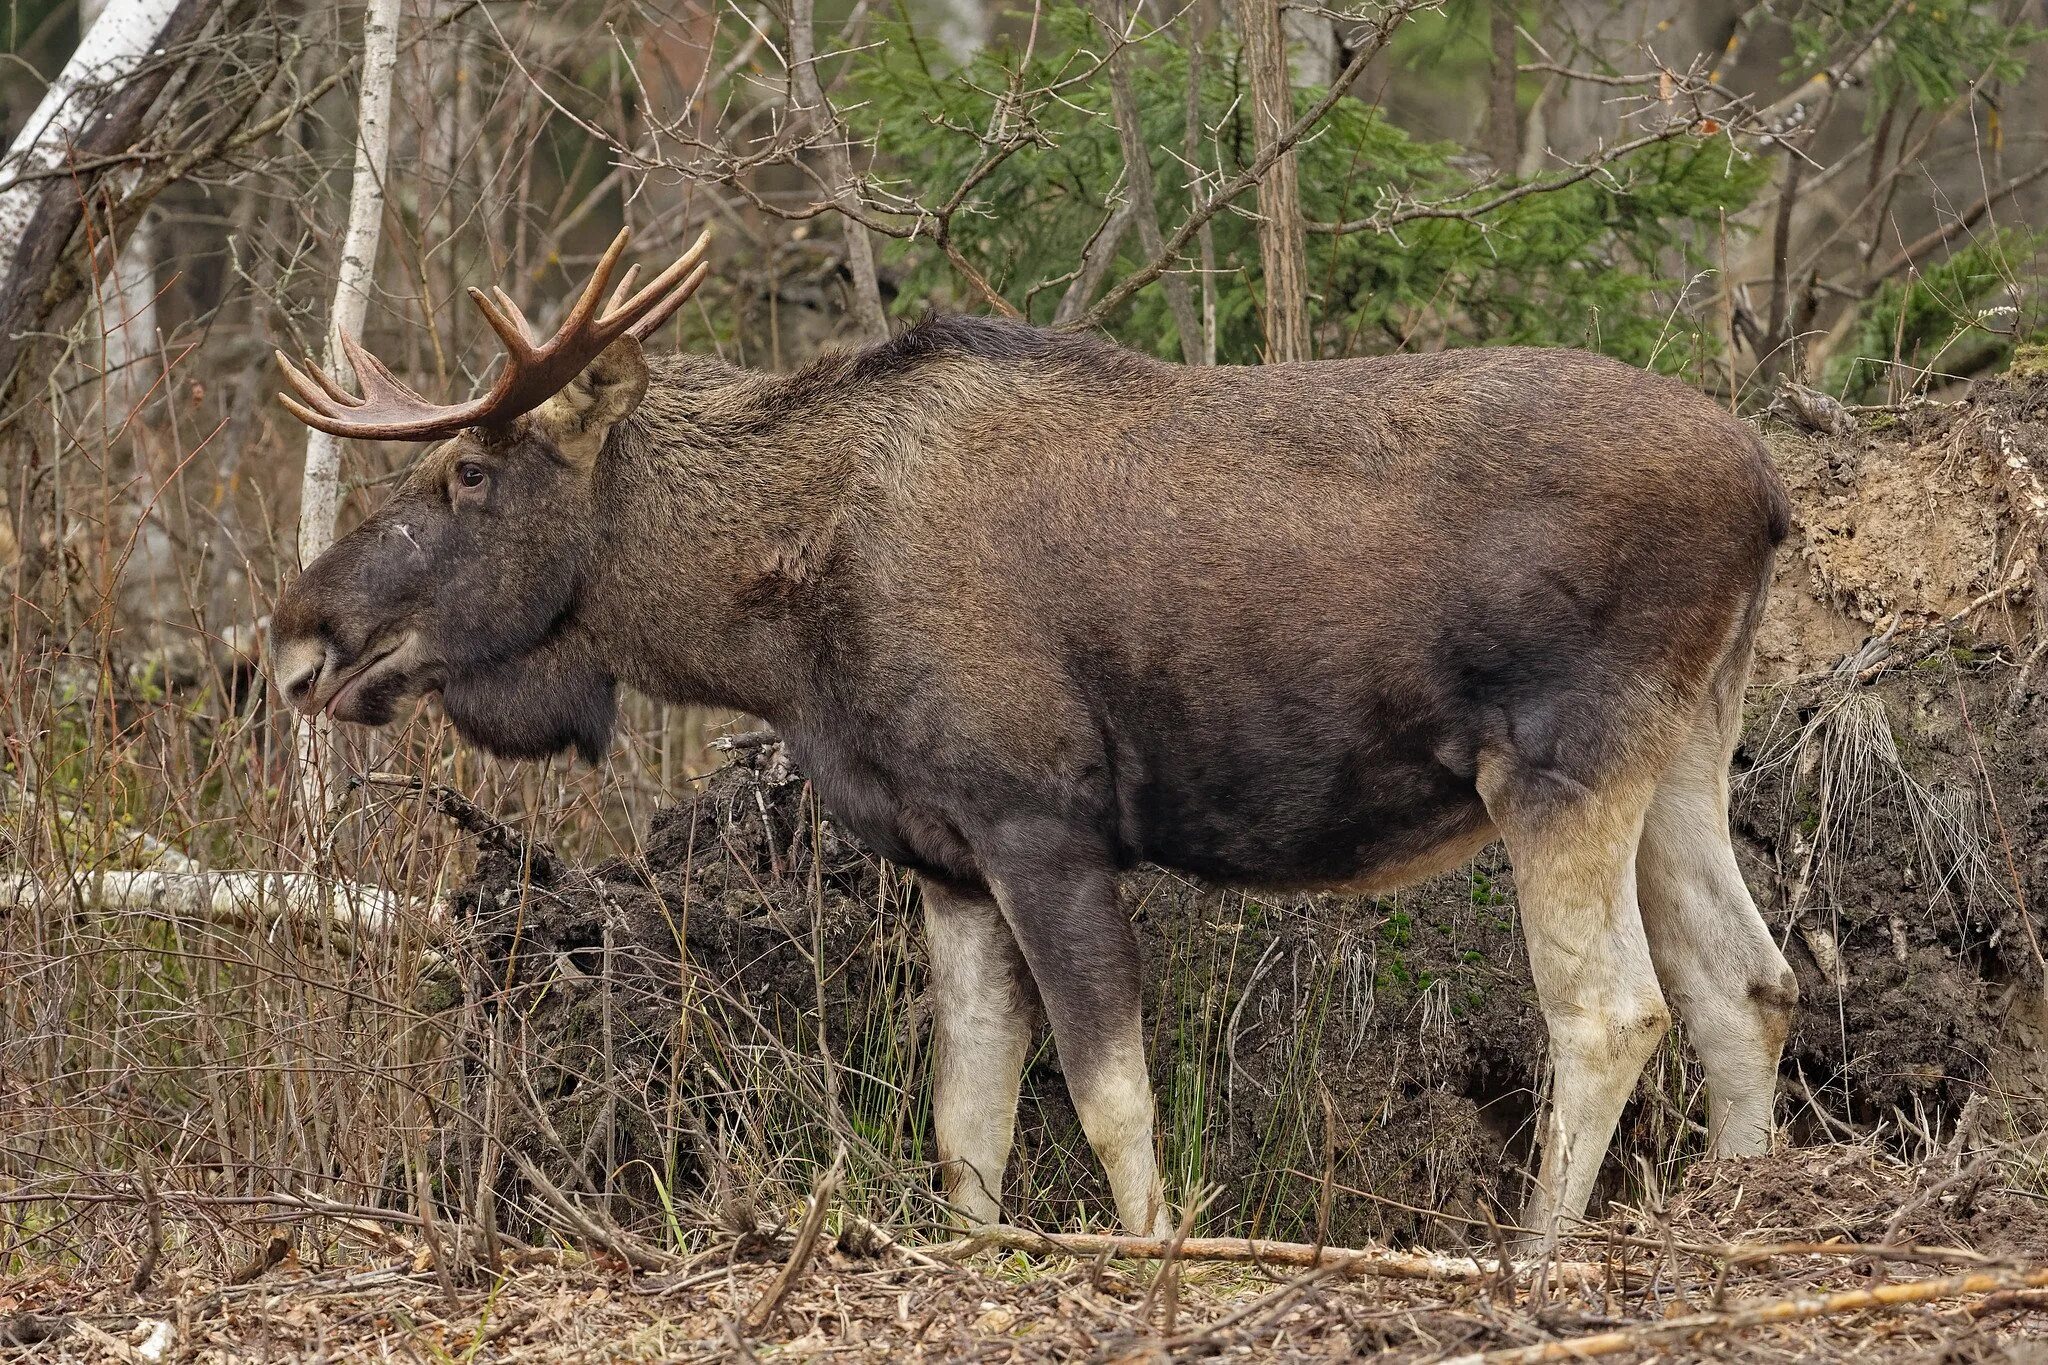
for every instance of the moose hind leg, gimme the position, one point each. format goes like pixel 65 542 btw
pixel 1573 850
pixel 1719 965
pixel 982 1011
pixel 1084 961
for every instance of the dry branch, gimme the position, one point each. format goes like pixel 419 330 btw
pixel 590 1226
pixel 1644 1336
pixel 1375 1264
pixel 239 899
pixel 763 1311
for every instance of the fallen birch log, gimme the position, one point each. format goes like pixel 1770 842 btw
pixel 1651 1335
pixel 1376 1264
pixel 235 899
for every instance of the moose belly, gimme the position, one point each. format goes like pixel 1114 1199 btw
pixel 1323 822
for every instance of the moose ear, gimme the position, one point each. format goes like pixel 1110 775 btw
pixel 610 387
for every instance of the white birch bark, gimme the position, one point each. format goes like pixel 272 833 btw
pixel 232 899
pixel 126 297
pixel 120 39
pixel 320 492
pixel 320 487
pixel 124 311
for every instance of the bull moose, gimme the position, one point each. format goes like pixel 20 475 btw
pixel 1030 609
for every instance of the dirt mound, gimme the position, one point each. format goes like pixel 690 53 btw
pixel 1912 520
pixel 743 1000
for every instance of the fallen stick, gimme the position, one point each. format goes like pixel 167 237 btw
pixel 593 1227
pixel 1802 1309
pixel 238 899
pixel 763 1311
pixel 1386 1265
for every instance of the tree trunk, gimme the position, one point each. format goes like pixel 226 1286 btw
pixel 1283 240
pixel 125 298
pixel 1503 112
pixel 320 491
pixel 808 95
pixel 124 308
pixel 320 488
pixel 96 108
pixel 1139 185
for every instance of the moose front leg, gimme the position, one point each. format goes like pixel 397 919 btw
pixel 1084 960
pixel 981 1026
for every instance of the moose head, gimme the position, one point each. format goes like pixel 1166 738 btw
pixel 465 582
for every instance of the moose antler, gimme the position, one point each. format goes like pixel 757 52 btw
pixel 533 372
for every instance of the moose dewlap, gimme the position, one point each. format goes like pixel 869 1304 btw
pixel 1031 609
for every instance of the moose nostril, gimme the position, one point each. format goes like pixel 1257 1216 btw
pixel 299 667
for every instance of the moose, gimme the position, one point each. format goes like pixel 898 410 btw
pixel 1030 609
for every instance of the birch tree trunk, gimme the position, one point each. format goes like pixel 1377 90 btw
pixel 1283 239
pixel 320 491
pixel 124 308
pixel 126 298
pixel 97 107
pixel 320 488
pixel 120 37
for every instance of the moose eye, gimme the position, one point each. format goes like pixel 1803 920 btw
pixel 471 474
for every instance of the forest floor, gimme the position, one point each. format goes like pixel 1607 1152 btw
pixel 1945 1242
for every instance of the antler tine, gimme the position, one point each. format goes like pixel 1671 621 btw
pixel 375 379
pixel 518 340
pixel 662 311
pixel 319 421
pixel 580 316
pixel 661 284
pixel 512 311
pixel 314 386
pixel 625 287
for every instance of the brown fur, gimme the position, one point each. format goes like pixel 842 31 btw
pixel 1030 609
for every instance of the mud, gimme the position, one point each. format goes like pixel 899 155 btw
pixel 683 1020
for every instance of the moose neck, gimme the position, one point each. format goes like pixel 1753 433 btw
pixel 720 509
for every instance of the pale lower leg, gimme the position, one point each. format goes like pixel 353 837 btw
pixel 1084 962
pixel 1112 1093
pixel 981 1030
pixel 1731 986
pixel 1575 873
